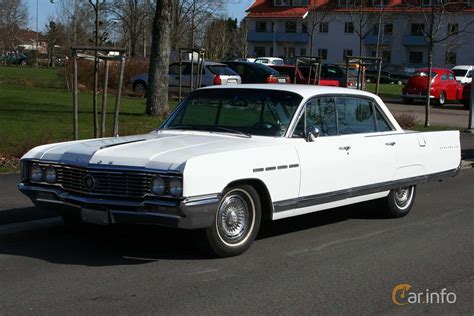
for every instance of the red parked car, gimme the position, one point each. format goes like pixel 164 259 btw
pixel 444 86
pixel 302 75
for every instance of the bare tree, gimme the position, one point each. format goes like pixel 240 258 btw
pixel 13 17
pixel 133 16
pixel 360 19
pixel 190 18
pixel 157 101
pixel 317 16
pixel 438 16
pixel 55 35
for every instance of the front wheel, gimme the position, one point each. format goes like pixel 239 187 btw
pixel 399 201
pixel 236 223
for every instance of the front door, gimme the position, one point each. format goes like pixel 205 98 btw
pixel 354 152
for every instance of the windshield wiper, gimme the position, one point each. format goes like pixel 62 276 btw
pixel 230 130
pixel 186 127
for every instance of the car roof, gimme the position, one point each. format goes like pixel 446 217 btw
pixel 306 91
pixel 463 67
pixel 270 58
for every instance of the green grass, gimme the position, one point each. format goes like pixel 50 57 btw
pixel 39 112
pixel 386 91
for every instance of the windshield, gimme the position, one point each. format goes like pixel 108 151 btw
pixel 460 72
pixel 221 70
pixel 424 74
pixel 241 111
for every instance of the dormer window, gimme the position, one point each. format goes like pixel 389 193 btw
pixel 281 3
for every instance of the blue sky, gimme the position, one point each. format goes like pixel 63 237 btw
pixel 235 9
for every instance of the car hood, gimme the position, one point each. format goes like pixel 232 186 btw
pixel 157 150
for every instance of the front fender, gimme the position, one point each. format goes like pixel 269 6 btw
pixel 209 174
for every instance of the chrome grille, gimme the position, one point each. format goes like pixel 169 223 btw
pixel 107 182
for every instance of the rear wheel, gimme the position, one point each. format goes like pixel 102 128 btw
pixel 466 104
pixel 236 223
pixel 442 99
pixel 140 87
pixel 399 201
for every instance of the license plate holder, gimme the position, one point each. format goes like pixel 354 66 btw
pixel 100 217
pixel 281 80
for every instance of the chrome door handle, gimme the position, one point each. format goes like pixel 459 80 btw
pixel 390 144
pixel 346 148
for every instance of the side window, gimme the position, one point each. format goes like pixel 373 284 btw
pixel 321 113
pixel 382 123
pixel 355 116
pixel 451 77
pixel 174 69
pixel 444 77
pixel 187 69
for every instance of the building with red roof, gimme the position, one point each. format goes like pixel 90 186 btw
pixel 333 29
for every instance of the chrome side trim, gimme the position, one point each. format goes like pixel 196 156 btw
pixel 334 196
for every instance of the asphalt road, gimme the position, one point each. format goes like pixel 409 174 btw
pixel 452 115
pixel 345 260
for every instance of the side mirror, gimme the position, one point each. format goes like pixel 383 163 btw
pixel 312 132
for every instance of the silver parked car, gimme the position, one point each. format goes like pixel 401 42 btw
pixel 212 74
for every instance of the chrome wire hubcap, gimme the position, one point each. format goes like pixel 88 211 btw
pixel 402 196
pixel 233 218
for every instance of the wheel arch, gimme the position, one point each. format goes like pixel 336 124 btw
pixel 262 190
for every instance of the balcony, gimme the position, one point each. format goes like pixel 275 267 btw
pixel 372 40
pixel 414 40
pixel 279 37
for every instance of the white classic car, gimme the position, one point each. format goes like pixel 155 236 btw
pixel 229 157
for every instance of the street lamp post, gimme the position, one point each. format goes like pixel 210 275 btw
pixel 37 34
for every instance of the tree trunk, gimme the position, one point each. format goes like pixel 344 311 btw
pixel 428 99
pixel 157 101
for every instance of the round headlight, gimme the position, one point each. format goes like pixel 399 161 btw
pixel 36 173
pixel 50 175
pixel 158 186
pixel 175 187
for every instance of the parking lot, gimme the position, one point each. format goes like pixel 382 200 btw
pixel 346 260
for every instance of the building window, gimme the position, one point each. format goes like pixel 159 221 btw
pixel 259 51
pixel 415 57
pixel 346 3
pixel 290 27
pixel 289 52
pixel 453 29
pixel 304 28
pixel 387 56
pixel 261 26
pixel 300 3
pixel 303 52
pixel 324 27
pixel 417 29
pixel 281 3
pixel 388 29
pixel 450 58
pixel 348 27
pixel 380 3
pixel 323 53
pixel 346 52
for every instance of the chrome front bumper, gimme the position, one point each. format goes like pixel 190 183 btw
pixel 189 213
pixel 415 96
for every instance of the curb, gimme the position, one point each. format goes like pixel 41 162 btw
pixel 467 164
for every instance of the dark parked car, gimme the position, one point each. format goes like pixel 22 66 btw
pixel 257 73
pixel 466 95
pixel 389 74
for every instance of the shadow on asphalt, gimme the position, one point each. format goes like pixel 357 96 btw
pixel 94 245
pixel 467 153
